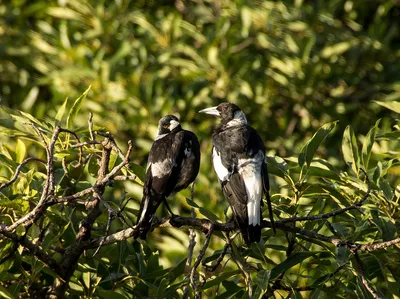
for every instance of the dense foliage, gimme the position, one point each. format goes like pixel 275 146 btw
pixel 320 82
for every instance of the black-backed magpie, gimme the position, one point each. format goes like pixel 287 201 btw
pixel 173 163
pixel 238 156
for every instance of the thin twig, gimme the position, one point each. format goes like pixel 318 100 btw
pixel 77 141
pixel 18 170
pixel 243 269
pixel 38 132
pixel 198 260
pixel 10 253
pixel 109 220
pixel 90 124
pixel 124 178
pixel 355 205
pixel 192 244
pixel 214 267
pixel 364 280
pixel 86 143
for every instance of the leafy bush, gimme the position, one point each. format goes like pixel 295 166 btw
pixel 67 222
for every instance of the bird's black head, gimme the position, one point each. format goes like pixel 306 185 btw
pixel 167 124
pixel 229 113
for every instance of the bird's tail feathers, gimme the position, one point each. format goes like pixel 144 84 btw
pixel 250 233
pixel 146 213
pixel 271 215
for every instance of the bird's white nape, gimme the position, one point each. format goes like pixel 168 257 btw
pixel 238 119
pixel 160 136
pixel 173 124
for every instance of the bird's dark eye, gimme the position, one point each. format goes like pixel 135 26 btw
pixel 165 126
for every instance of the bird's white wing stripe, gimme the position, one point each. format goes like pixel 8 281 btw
pixel 220 169
pixel 161 168
pixel 146 204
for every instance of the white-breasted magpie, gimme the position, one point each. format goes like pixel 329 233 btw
pixel 173 163
pixel 238 156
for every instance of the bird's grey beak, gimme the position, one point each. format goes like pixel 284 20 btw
pixel 211 111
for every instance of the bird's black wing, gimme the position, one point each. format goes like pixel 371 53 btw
pixel 188 158
pixel 233 144
pixel 235 192
pixel 257 143
pixel 161 175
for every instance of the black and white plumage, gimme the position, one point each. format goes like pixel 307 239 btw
pixel 238 156
pixel 173 164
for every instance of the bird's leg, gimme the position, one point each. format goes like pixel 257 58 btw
pixel 169 209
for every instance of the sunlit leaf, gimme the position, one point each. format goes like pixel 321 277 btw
pixel 309 149
pixel 20 150
pixel 393 105
pixel 73 112
pixel 277 166
pixel 60 112
pixel 350 149
pixel 368 143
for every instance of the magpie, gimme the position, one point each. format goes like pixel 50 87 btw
pixel 173 164
pixel 238 157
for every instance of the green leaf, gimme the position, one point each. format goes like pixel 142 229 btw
pixel 210 215
pixel 20 151
pixel 203 211
pixel 5 294
pixel 232 290
pixel 192 203
pixel 138 170
pixel 161 288
pixel 367 145
pixel 76 107
pixel 31 118
pixel 386 188
pixel 342 255
pixel 277 166
pixel 393 105
pixel 293 260
pixel 338 49
pixel 61 111
pixel 350 149
pixel 308 151
pixel 219 279
pixel 109 294
pixel 262 280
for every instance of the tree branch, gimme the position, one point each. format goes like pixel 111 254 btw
pixel 364 280
pixel 198 260
pixel 18 170
pixel 355 205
